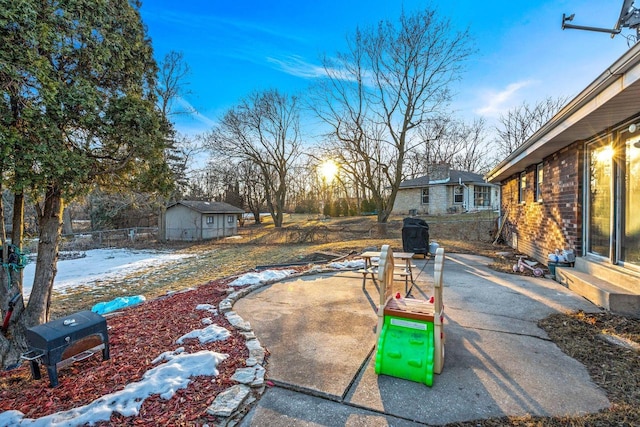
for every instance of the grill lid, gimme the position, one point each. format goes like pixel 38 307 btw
pixel 65 330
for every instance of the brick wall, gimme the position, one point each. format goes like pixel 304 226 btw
pixel 555 223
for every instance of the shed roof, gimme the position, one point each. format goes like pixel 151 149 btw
pixel 455 177
pixel 606 103
pixel 208 207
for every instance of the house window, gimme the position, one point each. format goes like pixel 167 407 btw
pixel 458 195
pixel 539 181
pixel 211 219
pixel 425 196
pixel 482 195
pixel 522 184
pixel 230 219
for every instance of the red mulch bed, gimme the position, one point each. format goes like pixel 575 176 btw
pixel 136 337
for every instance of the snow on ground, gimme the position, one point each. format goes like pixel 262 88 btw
pixel 261 277
pixel 164 380
pixel 100 265
pixel 347 265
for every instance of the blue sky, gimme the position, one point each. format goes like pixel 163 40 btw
pixel 233 48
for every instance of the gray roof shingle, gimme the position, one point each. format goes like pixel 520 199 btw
pixel 455 176
pixel 208 207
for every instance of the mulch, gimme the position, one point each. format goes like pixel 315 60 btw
pixel 141 333
pixel 136 337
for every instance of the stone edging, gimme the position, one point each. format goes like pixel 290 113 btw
pixel 231 405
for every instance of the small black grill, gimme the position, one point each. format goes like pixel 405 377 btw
pixel 66 340
pixel 415 236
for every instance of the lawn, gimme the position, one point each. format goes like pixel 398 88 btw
pixel 303 239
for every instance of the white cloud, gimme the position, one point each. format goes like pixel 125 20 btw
pixel 194 113
pixel 496 103
pixel 296 66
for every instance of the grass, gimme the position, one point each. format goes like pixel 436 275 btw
pixel 614 368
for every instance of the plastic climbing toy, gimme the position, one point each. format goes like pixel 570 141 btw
pixel 410 335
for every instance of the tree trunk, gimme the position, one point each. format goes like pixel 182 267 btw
pixel 37 310
pixel 67 222
pixel 17 233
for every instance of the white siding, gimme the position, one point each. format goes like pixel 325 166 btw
pixel 183 223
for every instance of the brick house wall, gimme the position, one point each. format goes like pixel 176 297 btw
pixel 556 221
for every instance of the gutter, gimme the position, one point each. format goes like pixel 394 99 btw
pixel 604 80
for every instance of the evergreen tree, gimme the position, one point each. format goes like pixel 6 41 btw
pixel 77 111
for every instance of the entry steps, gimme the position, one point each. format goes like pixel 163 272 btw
pixel 611 287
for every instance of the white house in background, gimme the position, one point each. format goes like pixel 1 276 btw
pixel 196 220
pixel 445 191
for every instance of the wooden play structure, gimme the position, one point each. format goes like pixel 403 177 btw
pixel 410 335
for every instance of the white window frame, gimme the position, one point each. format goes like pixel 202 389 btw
pixel 482 192
pixel 425 196
pixel 522 186
pixel 456 194
pixel 539 181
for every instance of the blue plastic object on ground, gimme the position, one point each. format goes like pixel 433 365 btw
pixel 117 304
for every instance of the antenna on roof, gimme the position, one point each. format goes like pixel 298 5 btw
pixel 629 18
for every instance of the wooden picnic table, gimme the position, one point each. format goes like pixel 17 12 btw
pixel 404 269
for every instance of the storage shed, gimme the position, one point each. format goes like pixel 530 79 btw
pixel 198 220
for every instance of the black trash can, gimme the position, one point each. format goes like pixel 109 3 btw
pixel 415 236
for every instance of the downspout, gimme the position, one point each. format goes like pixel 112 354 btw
pixel 466 198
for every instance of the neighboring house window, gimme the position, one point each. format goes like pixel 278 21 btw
pixel 482 195
pixel 539 181
pixel 458 195
pixel 230 219
pixel 425 196
pixel 522 186
pixel 210 219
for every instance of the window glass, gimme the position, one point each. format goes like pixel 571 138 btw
pixel 523 187
pixel 425 196
pixel 210 219
pixel 539 181
pixel 482 195
pixel 458 194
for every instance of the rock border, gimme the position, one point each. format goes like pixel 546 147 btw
pixel 231 405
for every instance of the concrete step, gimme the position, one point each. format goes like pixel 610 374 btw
pixel 599 291
pixel 621 277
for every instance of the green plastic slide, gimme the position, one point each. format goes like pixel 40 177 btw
pixel 406 350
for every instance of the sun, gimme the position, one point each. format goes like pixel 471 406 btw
pixel 328 170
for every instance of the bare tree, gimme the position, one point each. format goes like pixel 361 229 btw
pixel 383 89
pixel 520 123
pixel 464 146
pixel 172 83
pixel 172 88
pixel 263 130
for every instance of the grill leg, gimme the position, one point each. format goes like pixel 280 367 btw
pixel 35 370
pixel 105 352
pixel 52 371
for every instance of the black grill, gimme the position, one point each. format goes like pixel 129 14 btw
pixel 415 236
pixel 66 340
